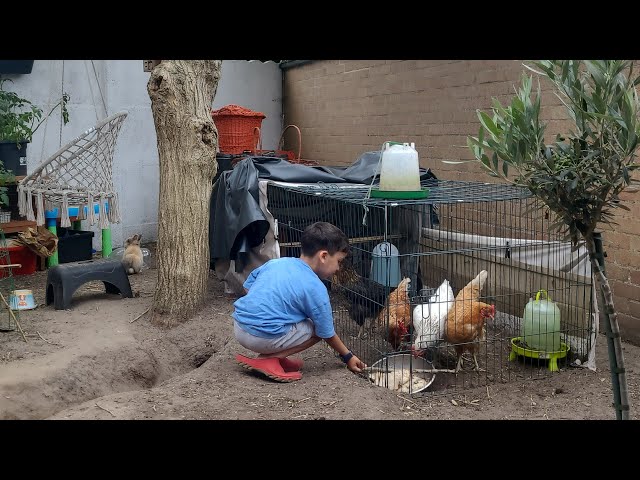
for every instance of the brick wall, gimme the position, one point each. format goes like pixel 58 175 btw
pixel 346 107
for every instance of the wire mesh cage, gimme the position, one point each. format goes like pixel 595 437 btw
pixel 441 283
pixel 7 320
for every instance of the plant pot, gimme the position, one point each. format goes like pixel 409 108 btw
pixel 5 216
pixel 16 66
pixel 14 157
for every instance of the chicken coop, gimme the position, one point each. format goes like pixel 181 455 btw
pixel 437 293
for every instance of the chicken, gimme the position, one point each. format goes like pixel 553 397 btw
pixel 466 319
pixel 366 297
pixel 429 319
pixel 395 318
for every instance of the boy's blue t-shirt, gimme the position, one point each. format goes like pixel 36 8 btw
pixel 284 291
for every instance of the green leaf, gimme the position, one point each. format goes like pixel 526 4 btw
pixel 596 72
pixel 625 175
pixel 487 123
pixel 485 161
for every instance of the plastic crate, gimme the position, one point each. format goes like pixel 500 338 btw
pixel 236 126
pixel 19 254
pixel 74 245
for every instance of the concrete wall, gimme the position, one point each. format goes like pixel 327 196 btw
pixel 104 87
pixel 347 107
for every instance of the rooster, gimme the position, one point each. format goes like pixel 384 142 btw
pixel 466 319
pixel 398 312
pixel 366 297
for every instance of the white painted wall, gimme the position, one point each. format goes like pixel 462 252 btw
pixel 103 87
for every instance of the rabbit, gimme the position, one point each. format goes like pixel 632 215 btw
pixel 132 259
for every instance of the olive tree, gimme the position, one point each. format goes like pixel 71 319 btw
pixel 581 174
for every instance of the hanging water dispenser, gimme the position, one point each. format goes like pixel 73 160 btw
pixel 399 172
pixel 385 265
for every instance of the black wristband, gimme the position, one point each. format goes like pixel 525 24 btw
pixel 346 357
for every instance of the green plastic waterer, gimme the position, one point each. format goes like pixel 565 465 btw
pixel 540 332
pixel 540 327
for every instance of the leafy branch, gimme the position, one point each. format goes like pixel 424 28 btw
pixel 581 174
pixel 20 118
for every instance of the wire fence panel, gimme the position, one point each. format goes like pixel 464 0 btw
pixel 433 293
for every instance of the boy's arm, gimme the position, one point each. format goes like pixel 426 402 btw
pixel 354 363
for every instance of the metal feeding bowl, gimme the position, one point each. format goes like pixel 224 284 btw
pixel 402 373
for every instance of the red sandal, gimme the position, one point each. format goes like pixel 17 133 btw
pixel 291 364
pixel 270 367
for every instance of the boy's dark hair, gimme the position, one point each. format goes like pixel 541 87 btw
pixel 323 236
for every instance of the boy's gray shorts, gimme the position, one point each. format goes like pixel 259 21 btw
pixel 299 333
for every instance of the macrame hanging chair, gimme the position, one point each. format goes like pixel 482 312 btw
pixel 79 174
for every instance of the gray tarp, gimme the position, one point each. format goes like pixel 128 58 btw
pixel 238 224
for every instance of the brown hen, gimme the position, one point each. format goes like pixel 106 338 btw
pixel 466 319
pixel 398 312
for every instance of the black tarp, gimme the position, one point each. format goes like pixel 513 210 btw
pixel 237 223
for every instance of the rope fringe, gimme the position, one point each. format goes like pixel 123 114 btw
pixel 64 215
pixel 104 221
pixel 30 214
pixel 40 205
pixel 114 209
pixel 81 213
pixel 22 200
pixel 90 215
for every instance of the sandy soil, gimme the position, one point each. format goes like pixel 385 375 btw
pixel 94 361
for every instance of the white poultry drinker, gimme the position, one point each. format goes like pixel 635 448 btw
pixel 399 172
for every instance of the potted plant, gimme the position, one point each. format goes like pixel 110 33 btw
pixel 19 120
pixel 7 178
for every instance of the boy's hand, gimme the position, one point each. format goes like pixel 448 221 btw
pixel 356 365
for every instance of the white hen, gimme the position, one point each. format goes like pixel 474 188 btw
pixel 429 319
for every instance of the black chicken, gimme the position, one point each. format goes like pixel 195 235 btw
pixel 365 297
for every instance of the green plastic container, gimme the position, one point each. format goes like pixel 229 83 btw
pixel 541 324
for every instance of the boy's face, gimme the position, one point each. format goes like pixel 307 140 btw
pixel 328 264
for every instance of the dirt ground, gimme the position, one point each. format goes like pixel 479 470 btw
pixel 96 361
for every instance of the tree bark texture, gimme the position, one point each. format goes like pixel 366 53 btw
pixel 182 93
pixel 616 357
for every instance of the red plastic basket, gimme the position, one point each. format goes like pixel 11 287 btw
pixel 235 126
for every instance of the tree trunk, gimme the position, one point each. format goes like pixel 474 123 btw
pixel 616 358
pixel 182 93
